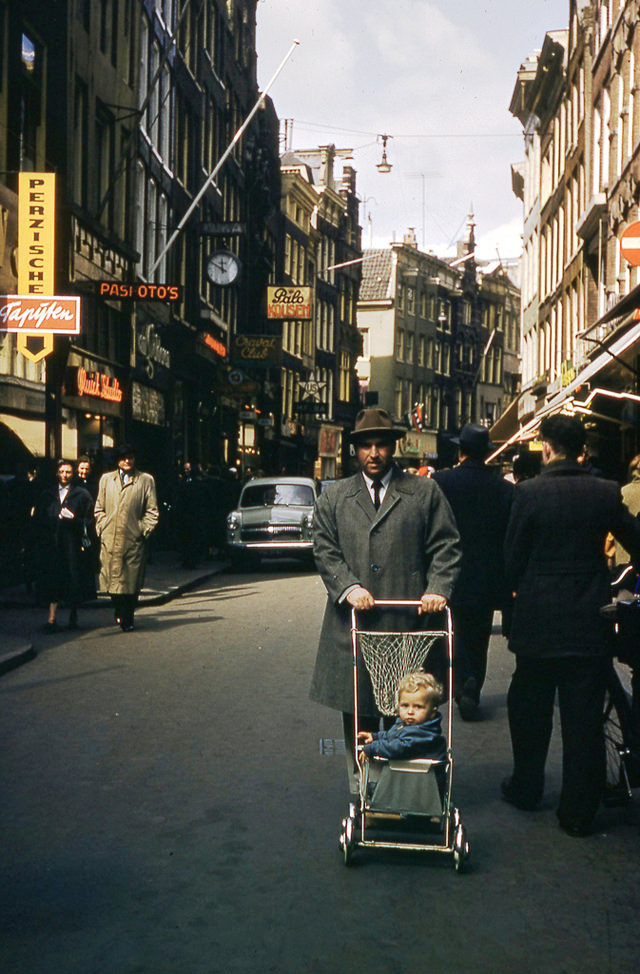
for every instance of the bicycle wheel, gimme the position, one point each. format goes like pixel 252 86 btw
pixel 616 720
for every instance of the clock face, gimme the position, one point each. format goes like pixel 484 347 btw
pixel 223 267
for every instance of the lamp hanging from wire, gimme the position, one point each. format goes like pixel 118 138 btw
pixel 384 165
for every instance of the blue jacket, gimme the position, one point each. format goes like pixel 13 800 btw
pixel 410 741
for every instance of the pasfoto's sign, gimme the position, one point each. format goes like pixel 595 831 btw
pixel 289 302
pixel 41 314
pixel 139 291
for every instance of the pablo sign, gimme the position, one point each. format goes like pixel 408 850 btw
pixel 289 302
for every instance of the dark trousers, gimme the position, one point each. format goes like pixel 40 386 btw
pixel 123 607
pixel 580 683
pixel 471 634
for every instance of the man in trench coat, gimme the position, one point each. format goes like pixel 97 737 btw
pixel 556 565
pixel 126 512
pixel 405 548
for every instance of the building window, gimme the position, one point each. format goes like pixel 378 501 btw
pixel 344 377
pixel 104 161
pixel 410 347
pixel 80 144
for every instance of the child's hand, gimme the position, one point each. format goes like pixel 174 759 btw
pixel 365 737
pixel 363 757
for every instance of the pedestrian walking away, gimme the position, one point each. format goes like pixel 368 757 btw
pixel 379 534
pixel 126 513
pixel 62 516
pixel 481 500
pixel 556 565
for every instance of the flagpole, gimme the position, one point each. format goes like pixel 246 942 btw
pixel 223 159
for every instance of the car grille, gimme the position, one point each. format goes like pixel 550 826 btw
pixel 289 532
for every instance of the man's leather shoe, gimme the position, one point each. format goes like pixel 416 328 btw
pixel 468 700
pixel 576 830
pixel 511 796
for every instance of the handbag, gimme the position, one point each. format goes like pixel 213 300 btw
pixel 85 540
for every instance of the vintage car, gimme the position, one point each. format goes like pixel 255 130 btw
pixel 274 518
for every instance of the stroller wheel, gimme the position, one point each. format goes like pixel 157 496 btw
pixel 347 838
pixel 460 848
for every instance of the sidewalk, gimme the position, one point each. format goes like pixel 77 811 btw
pixel 165 579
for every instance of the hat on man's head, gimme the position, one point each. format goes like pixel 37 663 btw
pixel 125 450
pixel 375 422
pixel 473 441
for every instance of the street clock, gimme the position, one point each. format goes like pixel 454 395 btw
pixel 223 268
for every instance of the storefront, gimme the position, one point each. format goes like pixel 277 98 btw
pixel 94 403
pixel 416 446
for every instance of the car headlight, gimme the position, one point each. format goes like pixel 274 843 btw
pixel 308 521
pixel 233 521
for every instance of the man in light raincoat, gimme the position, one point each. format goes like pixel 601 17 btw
pixel 126 512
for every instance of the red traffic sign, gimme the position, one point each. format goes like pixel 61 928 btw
pixel 630 244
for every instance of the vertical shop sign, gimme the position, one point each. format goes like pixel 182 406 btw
pixel 36 247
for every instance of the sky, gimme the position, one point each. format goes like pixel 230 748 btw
pixel 436 76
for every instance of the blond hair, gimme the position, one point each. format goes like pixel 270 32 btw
pixel 421 681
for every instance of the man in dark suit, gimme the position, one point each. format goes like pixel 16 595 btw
pixel 381 534
pixel 481 500
pixel 556 565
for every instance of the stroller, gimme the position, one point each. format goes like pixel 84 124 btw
pixel 403 804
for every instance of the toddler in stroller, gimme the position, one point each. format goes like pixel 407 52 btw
pixel 417 732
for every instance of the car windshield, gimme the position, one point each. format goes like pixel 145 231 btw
pixel 268 495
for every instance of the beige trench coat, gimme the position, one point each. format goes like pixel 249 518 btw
pixel 125 517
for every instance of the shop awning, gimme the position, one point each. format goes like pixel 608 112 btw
pixel 605 357
pixel 25 435
pixel 506 424
pixel 565 399
pixel 630 302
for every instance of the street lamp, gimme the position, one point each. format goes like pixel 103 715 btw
pixel 384 166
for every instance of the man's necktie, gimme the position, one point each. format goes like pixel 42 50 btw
pixel 377 484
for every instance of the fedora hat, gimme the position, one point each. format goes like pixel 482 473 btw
pixel 473 440
pixel 125 450
pixel 375 422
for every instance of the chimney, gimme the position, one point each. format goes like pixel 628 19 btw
pixel 410 239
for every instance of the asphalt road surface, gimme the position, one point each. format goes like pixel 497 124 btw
pixel 171 805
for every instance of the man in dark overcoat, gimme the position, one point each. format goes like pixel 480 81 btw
pixel 481 500
pixel 555 564
pixel 381 534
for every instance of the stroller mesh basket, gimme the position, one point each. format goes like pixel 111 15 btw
pixel 389 656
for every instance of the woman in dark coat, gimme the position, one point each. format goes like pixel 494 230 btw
pixel 62 516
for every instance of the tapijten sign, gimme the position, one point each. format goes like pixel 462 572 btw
pixel 40 314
